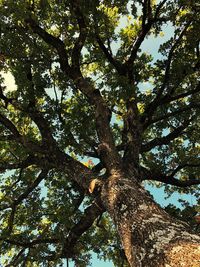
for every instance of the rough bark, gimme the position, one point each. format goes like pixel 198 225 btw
pixel 150 236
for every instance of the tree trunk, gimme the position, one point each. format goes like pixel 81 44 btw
pixel 150 236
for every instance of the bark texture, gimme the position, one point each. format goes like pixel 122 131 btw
pixel 150 236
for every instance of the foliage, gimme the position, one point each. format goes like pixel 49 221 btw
pixel 80 68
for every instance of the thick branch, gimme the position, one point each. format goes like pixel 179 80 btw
pixel 106 149
pixel 173 181
pixel 168 98
pixel 167 179
pixel 90 215
pixel 23 164
pixel 165 140
pixel 182 166
pixel 76 53
pixel 32 146
pixel 30 188
pixel 145 29
pixel 192 106
pixel 43 127
pixel 11 221
pixel 131 134
pixel 9 125
pixel 176 182
pixel 53 41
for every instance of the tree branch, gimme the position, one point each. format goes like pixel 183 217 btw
pixel 169 60
pixel 168 98
pixel 150 109
pixel 30 188
pixel 129 63
pixel 23 164
pixel 31 145
pixel 76 52
pixel 160 5
pixel 43 126
pixel 171 114
pixel 11 221
pixel 90 215
pixel 165 140
pixel 108 54
pixel 23 196
pixel 30 244
pixel 14 262
pixel 53 41
pixel 154 175
pixel 118 66
pixel 10 126
pixel 182 166
pixel 147 21
pixel 131 133
pixel 176 182
pixel 56 159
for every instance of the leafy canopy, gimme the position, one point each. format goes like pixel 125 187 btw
pixel 69 59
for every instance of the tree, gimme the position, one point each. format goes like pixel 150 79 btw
pixel 85 89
